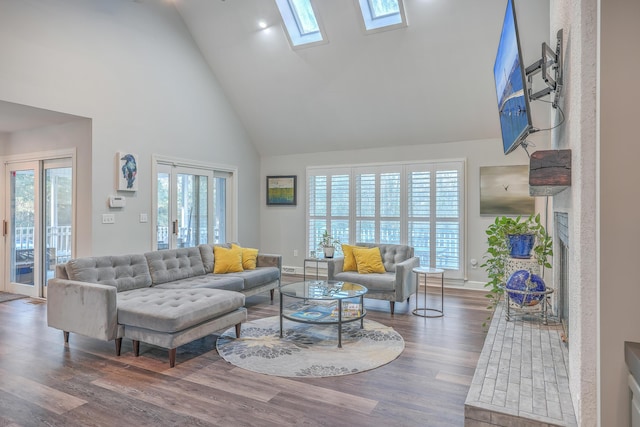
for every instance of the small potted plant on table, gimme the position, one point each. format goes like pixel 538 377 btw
pixel 328 244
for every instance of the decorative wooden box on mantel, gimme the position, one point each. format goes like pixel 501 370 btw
pixel 549 172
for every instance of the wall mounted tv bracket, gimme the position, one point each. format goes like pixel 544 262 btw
pixel 550 63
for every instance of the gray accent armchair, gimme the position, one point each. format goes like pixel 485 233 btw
pixel 396 284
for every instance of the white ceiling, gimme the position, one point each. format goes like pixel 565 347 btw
pixel 430 82
pixel 17 117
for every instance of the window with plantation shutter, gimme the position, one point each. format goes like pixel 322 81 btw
pixel 435 213
pixel 447 230
pixel 418 204
pixel 390 207
pixel 419 215
pixel 365 207
pixel 328 206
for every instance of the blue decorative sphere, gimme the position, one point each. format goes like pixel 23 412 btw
pixel 525 282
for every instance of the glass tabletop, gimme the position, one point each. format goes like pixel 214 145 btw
pixel 428 270
pixel 323 290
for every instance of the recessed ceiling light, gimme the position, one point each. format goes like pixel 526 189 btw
pixel 262 24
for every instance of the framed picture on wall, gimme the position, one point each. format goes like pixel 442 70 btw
pixel 281 190
pixel 504 190
pixel 127 171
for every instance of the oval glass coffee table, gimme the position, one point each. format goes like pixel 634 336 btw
pixel 323 302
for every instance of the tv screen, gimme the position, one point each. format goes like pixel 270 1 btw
pixel 510 79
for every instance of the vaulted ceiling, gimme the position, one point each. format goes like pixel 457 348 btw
pixel 430 82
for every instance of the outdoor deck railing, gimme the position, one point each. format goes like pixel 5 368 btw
pixel 58 242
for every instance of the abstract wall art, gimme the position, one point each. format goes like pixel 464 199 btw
pixel 504 190
pixel 127 171
pixel 281 190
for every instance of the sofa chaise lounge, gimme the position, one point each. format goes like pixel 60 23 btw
pixel 166 298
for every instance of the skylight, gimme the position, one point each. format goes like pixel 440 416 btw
pixel 380 15
pixel 301 22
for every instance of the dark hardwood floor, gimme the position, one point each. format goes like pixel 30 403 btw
pixel 44 382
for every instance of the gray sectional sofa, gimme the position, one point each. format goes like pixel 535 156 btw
pixel 398 281
pixel 166 298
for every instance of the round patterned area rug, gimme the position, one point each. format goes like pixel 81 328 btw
pixel 307 350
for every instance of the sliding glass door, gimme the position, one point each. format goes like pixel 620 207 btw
pixel 183 216
pixel 194 204
pixel 38 223
pixel 20 229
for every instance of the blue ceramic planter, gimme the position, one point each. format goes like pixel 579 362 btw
pixel 521 245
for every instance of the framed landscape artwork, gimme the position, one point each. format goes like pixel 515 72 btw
pixel 281 190
pixel 504 190
pixel 127 171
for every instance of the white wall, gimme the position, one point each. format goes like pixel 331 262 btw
pixel 619 290
pixel 134 70
pixel 283 228
pixel 602 202
pixel 578 21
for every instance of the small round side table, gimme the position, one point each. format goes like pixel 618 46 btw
pixel 423 311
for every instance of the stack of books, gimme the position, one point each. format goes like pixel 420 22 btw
pixel 349 309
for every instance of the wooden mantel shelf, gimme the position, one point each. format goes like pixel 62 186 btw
pixel 549 172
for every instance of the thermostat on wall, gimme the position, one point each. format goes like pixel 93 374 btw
pixel 117 201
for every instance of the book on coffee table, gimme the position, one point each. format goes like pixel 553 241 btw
pixel 348 310
pixel 313 312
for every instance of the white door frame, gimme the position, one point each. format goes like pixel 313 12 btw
pixel 6 164
pixel 232 193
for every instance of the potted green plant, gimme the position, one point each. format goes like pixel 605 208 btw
pixel 499 249
pixel 328 244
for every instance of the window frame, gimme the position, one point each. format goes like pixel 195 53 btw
pixel 434 222
pixel 367 16
pixel 292 26
pixel 335 171
pixel 230 173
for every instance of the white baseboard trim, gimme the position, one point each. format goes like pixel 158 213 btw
pixel 292 270
pixel 472 285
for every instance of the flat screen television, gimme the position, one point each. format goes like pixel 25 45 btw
pixel 511 85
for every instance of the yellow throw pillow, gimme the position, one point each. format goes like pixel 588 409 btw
pixel 368 260
pixel 349 259
pixel 249 258
pixel 227 260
